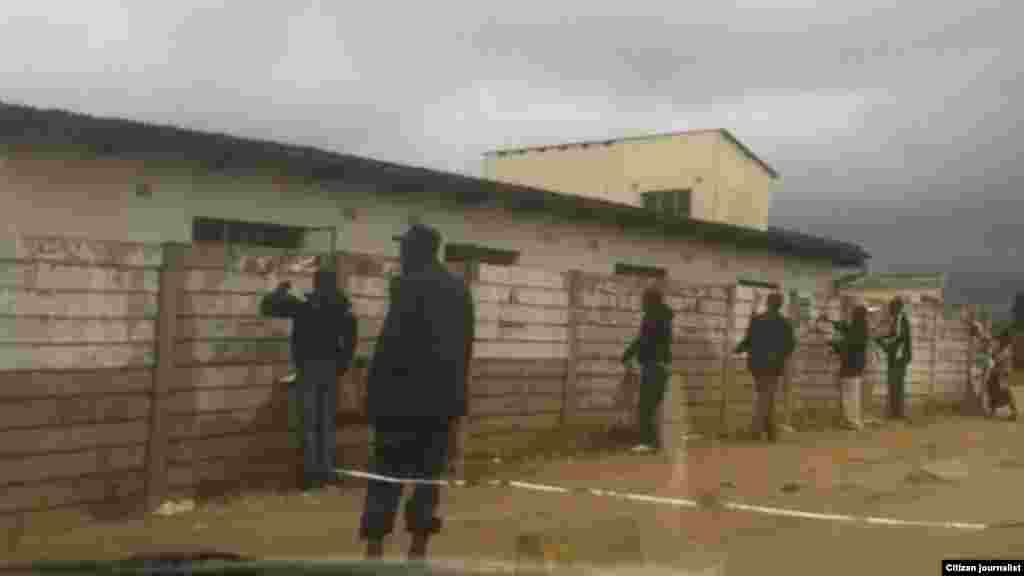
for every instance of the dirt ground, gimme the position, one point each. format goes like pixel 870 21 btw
pixel 875 472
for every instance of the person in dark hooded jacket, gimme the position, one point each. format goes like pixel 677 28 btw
pixel 653 350
pixel 416 390
pixel 770 340
pixel 323 343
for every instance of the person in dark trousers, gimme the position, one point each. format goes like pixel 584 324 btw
pixel 898 347
pixel 653 349
pixel 997 354
pixel 851 345
pixel 323 343
pixel 416 390
pixel 770 341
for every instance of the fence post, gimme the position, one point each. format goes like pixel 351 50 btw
pixel 574 285
pixel 933 351
pixel 171 290
pixel 794 363
pixel 460 428
pixel 728 367
pixel 846 306
pixel 344 271
pixel 970 402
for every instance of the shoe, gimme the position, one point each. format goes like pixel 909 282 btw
pixel 374 549
pixel 642 448
pixel 418 549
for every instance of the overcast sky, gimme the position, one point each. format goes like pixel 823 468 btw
pixel 890 122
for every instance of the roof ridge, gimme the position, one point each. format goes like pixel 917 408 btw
pixel 609 141
pixel 23 123
pixel 598 141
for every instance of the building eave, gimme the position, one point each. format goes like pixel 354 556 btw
pixel 127 138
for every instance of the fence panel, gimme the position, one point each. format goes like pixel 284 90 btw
pixel 225 412
pixel 521 351
pixel 79 333
pixel 77 342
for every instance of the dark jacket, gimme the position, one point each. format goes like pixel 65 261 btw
pixel 422 358
pixel 654 343
pixel 899 342
pixel 852 348
pixel 770 340
pixel 321 329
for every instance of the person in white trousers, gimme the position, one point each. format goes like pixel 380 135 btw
pixel 851 345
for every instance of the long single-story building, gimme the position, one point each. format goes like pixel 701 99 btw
pixel 912 288
pixel 69 174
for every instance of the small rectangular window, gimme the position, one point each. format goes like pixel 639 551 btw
pixel 650 200
pixel 622 269
pixel 683 200
pixel 672 203
pixel 454 252
pixel 758 284
pixel 251 233
pixel 668 204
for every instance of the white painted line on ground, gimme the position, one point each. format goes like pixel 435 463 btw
pixel 678 502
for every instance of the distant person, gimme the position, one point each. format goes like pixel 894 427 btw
pixel 770 341
pixel 851 345
pixel 416 390
pixel 997 354
pixel 323 343
pixel 898 347
pixel 653 349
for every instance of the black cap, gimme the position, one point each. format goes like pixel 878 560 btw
pixel 421 235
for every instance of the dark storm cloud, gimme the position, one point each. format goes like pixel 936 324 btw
pixel 891 122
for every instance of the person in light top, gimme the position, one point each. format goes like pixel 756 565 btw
pixel 996 359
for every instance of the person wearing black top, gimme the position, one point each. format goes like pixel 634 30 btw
pixel 653 350
pixel 851 345
pixel 770 340
pixel 323 343
pixel 416 390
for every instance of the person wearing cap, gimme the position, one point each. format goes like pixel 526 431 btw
pixel 898 347
pixel 416 390
pixel 323 343
pixel 770 341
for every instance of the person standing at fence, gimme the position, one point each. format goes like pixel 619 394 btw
pixel 770 341
pixel 416 390
pixel 323 343
pixel 653 350
pixel 898 346
pixel 851 345
pixel 998 356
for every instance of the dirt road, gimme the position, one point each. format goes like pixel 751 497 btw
pixel 977 469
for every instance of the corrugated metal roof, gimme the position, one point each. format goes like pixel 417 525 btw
pixel 585 143
pixel 126 138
